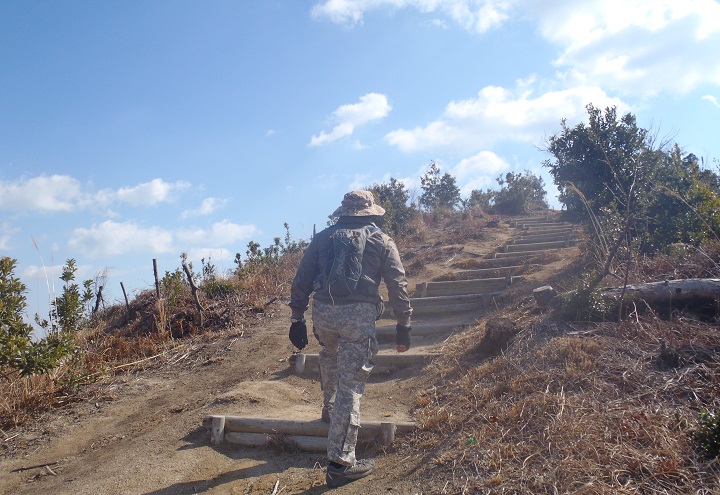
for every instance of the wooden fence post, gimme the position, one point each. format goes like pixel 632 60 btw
pixel 194 290
pixel 157 281
pixel 127 304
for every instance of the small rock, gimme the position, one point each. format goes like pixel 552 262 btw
pixel 543 295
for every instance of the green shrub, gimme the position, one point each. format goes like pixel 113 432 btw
pixel 707 436
pixel 585 304
pixel 18 351
pixel 217 288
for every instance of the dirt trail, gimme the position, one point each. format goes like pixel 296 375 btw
pixel 142 434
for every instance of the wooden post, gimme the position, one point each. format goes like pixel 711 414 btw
pixel 421 289
pixel 387 433
pixel 127 304
pixel 194 290
pixel 98 299
pixel 300 363
pixel 157 280
pixel 217 431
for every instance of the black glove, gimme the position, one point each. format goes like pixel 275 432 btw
pixel 402 335
pixel 298 334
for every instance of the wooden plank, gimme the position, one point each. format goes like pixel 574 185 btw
pixel 490 272
pixel 393 360
pixel 547 230
pixel 537 246
pixel 513 256
pixel 530 239
pixel 304 443
pixel 418 302
pixel 460 287
pixel 543 225
pixel 496 263
pixel 297 427
pixel 420 329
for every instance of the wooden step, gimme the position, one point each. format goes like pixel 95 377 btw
pixel 490 272
pixel 538 246
pixel 487 263
pixel 308 435
pixel 460 287
pixel 385 332
pixel 305 363
pixel 529 239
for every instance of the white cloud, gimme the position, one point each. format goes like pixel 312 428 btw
pixel 372 106
pixel 219 234
pixel 221 258
pixel 6 232
pixel 634 46
pixel 145 194
pixel 44 194
pixel 64 194
pixel 712 100
pixel 478 171
pixel 473 15
pixel 501 114
pixel 208 206
pixel 112 238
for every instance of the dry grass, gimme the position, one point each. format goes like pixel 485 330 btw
pixel 575 408
pixel 118 342
pixel 571 411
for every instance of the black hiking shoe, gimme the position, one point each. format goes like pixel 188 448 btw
pixel 339 476
pixel 325 416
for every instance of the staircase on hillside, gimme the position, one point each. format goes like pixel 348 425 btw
pixel 440 308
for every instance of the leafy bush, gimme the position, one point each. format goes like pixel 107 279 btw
pixel 439 191
pixel 399 214
pixel 707 435
pixel 18 351
pixel 585 304
pixel 519 193
pixel 219 288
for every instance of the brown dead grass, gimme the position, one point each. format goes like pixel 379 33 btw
pixel 574 408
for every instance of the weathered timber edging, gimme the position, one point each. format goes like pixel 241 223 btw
pixel 543 225
pixel 435 305
pixel 522 254
pixel 308 435
pixel 547 230
pixel 530 239
pixel 490 272
pixel 305 362
pixel 538 246
pixel 462 287
pixel 527 220
pixel 419 329
pixel 683 290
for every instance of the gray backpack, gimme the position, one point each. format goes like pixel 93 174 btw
pixel 343 269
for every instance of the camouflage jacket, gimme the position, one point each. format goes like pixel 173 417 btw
pixel 381 260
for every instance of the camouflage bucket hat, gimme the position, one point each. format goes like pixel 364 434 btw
pixel 359 204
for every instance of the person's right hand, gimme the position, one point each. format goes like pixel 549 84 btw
pixel 298 334
pixel 402 337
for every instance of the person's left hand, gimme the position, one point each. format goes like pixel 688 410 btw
pixel 298 334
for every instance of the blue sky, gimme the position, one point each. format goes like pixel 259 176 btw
pixel 135 130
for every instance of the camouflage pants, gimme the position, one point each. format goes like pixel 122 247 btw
pixel 347 335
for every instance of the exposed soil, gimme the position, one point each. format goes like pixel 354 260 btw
pixel 142 432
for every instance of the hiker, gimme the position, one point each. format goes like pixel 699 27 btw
pixel 343 266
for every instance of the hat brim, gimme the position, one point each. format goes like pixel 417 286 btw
pixel 371 211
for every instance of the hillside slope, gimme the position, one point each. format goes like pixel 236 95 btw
pixel 142 432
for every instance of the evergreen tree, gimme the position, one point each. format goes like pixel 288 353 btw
pixel 439 191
